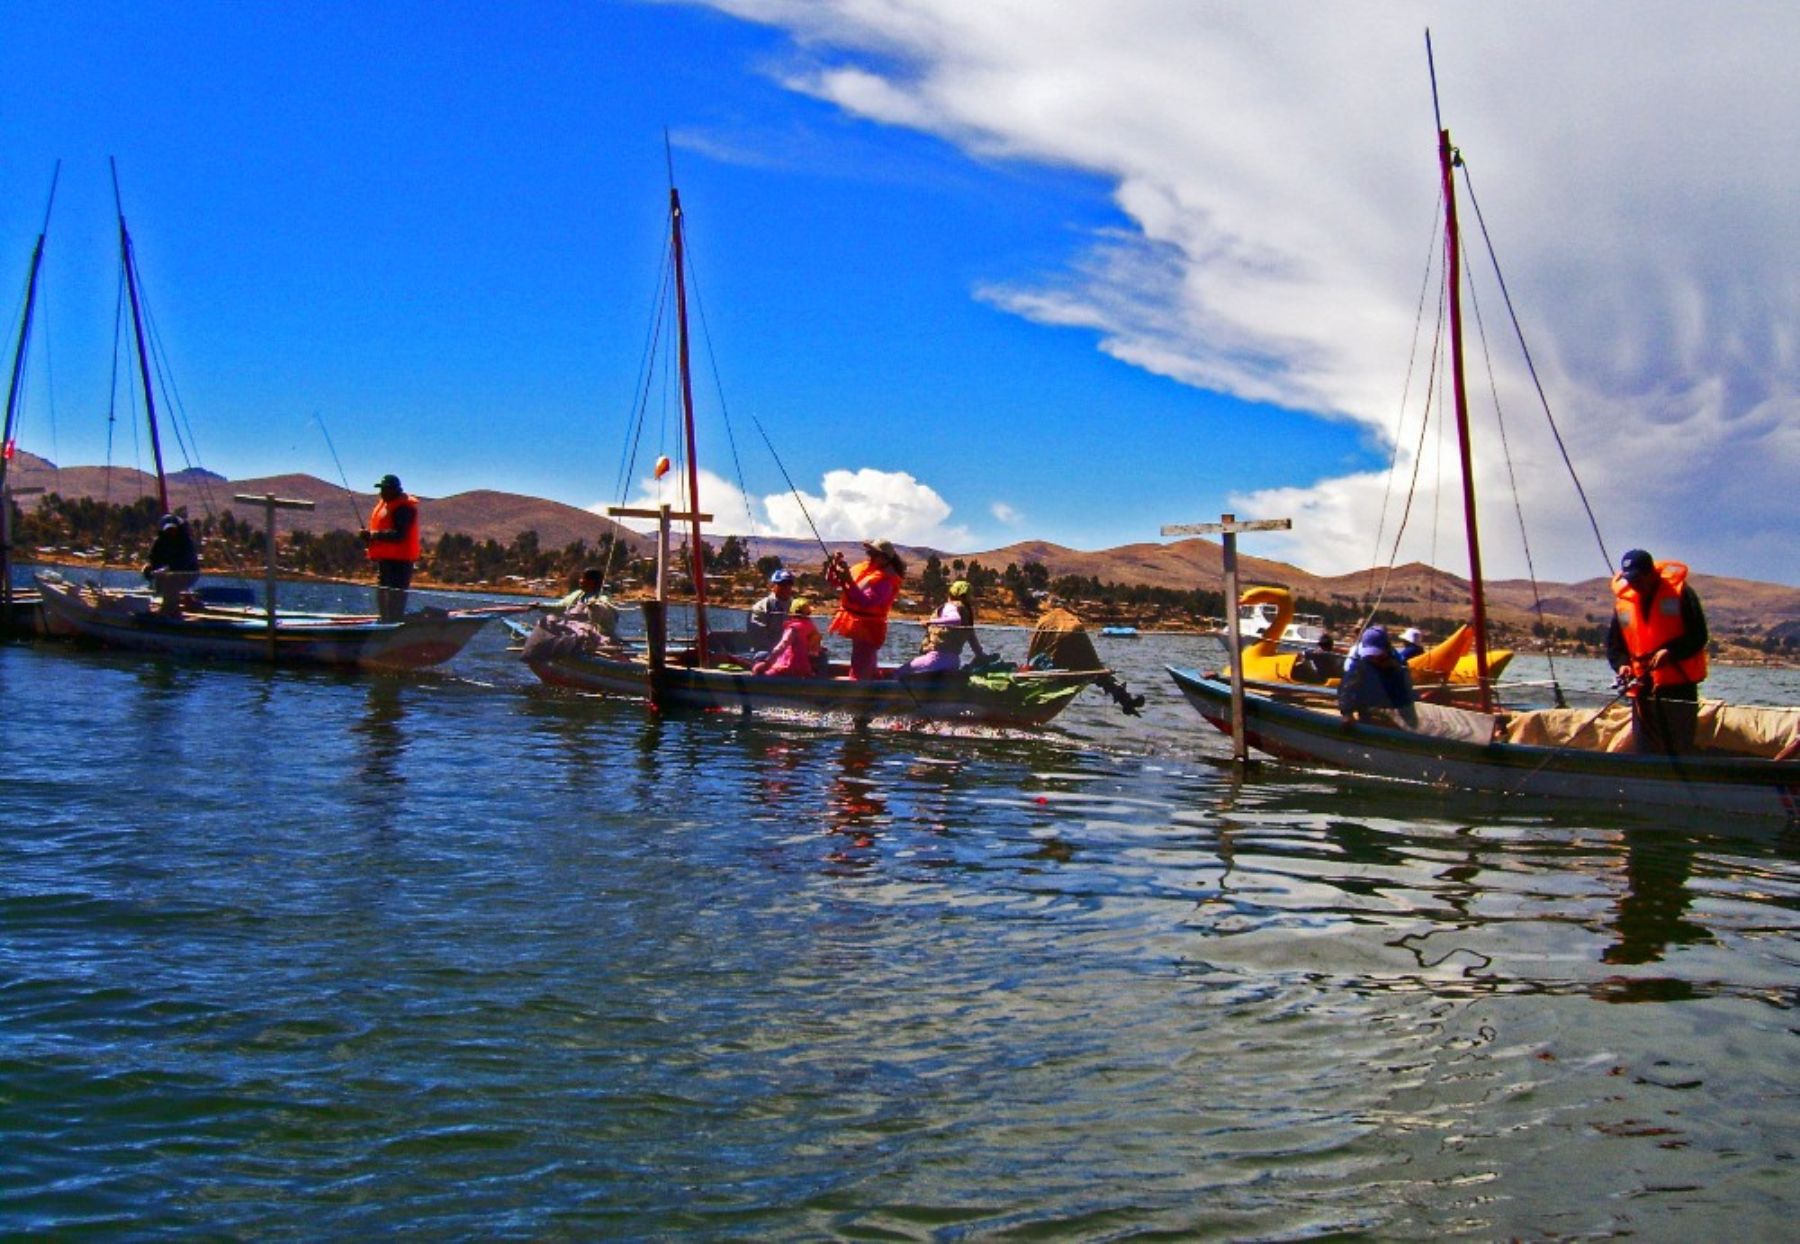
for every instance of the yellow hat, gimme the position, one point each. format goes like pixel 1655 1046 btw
pixel 800 605
pixel 959 588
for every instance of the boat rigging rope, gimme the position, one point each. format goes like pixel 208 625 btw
pixel 736 461
pixel 1531 367
pixel 1433 385
pixel 1431 249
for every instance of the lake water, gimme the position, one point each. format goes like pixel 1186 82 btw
pixel 295 954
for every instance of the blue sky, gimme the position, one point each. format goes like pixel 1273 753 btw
pixel 985 273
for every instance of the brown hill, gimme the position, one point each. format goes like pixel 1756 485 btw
pixel 481 513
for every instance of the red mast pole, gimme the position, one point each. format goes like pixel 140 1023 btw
pixel 687 410
pixel 1447 159
pixel 137 327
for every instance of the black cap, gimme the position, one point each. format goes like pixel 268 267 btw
pixel 389 481
pixel 1636 562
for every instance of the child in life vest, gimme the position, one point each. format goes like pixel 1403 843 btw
pixel 799 648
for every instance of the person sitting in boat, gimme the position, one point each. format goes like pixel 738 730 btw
pixel 1657 647
pixel 800 650
pixel 1412 644
pixel 1376 684
pixel 763 624
pixel 945 634
pixel 588 604
pixel 174 565
pixel 867 592
pixel 1320 663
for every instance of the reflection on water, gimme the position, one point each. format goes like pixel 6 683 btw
pixel 305 954
pixel 381 736
pixel 1651 911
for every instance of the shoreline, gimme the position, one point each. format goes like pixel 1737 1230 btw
pixel 1739 658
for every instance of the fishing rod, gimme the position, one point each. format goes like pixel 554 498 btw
pixel 1624 685
pixel 782 467
pixel 349 496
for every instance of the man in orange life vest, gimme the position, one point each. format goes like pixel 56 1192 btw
pixel 866 593
pixel 393 540
pixel 1658 643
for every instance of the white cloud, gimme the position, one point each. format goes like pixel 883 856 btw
pixel 1007 514
pixel 1276 164
pixel 868 504
pixel 852 505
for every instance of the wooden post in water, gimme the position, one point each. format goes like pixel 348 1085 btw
pixel 656 615
pixel 7 493
pixel 270 503
pixel 1228 527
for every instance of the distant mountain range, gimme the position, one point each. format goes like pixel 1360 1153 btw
pixel 1413 590
pixel 482 513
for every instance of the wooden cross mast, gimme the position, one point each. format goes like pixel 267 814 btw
pixel 665 516
pixel 270 503
pixel 1228 526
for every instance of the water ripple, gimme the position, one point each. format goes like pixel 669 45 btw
pixel 298 955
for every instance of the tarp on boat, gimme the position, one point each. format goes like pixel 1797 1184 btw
pixel 1734 729
pixel 1572 727
pixel 555 637
pixel 1061 639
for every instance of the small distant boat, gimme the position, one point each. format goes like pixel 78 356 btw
pixel 1261 620
pixel 1119 632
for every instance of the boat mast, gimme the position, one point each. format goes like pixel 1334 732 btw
pixel 1448 159
pixel 129 264
pixel 18 363
pixel 687 411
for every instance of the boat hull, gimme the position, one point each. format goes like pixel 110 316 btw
pixel 129 621
pixel 1032 698
pixel 1292 732
pixel 23 615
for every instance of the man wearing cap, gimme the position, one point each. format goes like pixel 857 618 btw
pixel 174 562
pixel 763 625
pixel 866 592
pixel 393 545
pixel 1376 682
pixel 1657 646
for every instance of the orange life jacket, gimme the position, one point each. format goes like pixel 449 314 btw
pixel 1647 625
pixel 381 518
pixel 857 621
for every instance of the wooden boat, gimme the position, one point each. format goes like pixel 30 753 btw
pixel 1751 768
pixel 704 675
pixel 213 630
pixel 997 698
pixel 1466 750
pixel 218 632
